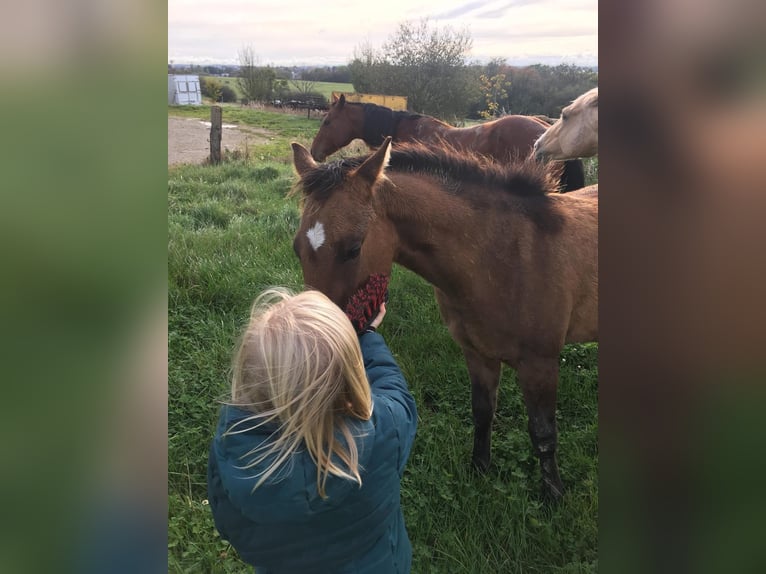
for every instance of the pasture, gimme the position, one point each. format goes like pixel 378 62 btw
pixel 230 231
pixel 324 88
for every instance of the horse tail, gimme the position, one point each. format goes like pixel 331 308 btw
pixel 573 175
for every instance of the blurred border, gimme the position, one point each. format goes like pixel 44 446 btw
pixel 83 242
pixel 682 166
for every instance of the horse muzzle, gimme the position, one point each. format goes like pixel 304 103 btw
pixel 318 155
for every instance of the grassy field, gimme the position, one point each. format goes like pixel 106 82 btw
pixel 327 88
pixel 324 88
pixel 230 231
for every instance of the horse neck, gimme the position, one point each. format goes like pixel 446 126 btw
pixel 358 121
pixel 429 225
pixel 377 123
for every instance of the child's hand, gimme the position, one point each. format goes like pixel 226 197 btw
pixel 379 319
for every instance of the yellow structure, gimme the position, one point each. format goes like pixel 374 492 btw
pixel 393 102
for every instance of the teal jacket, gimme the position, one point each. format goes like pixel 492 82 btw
pixel 284 527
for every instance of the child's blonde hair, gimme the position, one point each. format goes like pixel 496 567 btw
pixel 299 365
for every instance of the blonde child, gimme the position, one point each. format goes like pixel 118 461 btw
pixel 305 467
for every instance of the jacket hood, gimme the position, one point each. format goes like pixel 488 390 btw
pixel 291 493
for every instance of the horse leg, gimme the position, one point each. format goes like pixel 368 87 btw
pixel 573 175
pixel 538 379
pixel 485 377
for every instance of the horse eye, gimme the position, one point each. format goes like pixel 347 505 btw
pixel 351 253
pixel 564 116
pixel 326 123
pixel 295 248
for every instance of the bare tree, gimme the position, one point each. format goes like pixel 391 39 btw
pixel 256 82
pixel 422 62
pixel 304 87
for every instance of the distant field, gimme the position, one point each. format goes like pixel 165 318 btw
pixel 327 88
pixel 324 88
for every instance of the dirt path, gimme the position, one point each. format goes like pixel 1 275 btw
pixel 189 139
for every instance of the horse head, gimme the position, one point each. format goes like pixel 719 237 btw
pixel 341 241
pixel 339 127
pixel 575 134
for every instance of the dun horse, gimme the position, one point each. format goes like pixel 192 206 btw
pixel 502 139
pixel 576 132
pixel 514 271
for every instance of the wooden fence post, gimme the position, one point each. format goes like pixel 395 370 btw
pixel 216 128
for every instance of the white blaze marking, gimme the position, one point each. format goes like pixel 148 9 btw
pixel 315 236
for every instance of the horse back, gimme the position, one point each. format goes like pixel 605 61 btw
pixel 588 192
pixel 527 286
pixel 511 136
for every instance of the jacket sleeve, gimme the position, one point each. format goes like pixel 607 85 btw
pixel 216 495
pixel 387 383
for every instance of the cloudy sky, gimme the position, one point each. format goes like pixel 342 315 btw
pixel 325 32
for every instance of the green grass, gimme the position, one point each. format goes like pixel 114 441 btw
pixel 324 88
pixel 327 88
pixel 230 236
pixel 590 164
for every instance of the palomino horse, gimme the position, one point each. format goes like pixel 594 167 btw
pixel 515 271
pixel 503 139
pixel 576 132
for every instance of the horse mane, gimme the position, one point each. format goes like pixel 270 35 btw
pixel 380 122
pixel 587 99
pixel 519 177
pixel 522 178
pixel 320 181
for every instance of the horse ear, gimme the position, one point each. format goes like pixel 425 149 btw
pixel 302 159
pixel 375 165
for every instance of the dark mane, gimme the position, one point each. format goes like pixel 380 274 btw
pixel 323 179
pixel 525 178
pixel 462 173
pixel 380 121
pixel 520 178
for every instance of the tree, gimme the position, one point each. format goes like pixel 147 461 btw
pixel 366 70
pixel 546 90
pixel 339 74
pixel 255 82
pixel 424 63
pixel 495 94
pixel 281 89
pixel 304 86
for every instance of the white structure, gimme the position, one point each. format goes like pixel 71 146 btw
pixel 183 90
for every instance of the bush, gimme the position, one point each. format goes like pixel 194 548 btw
pixel 302 99
pixel 210 88
pixel 228 94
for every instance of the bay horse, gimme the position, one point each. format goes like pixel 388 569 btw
pixel 575 134
pixel 515 271
pixel 503 139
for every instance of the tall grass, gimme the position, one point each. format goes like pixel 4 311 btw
pixel 230 236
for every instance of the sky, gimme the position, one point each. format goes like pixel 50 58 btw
pixel 315 32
